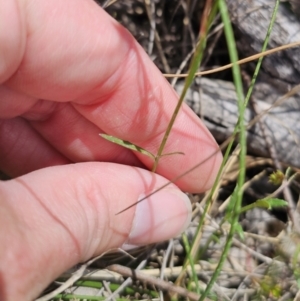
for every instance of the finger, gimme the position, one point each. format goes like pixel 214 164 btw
pixel 69 212
pixel 77 138
pixel 113 84
pixel 12 41
pixel 14 104
pixel 68 132
pixel 61 55
pixel 145 126
pixel 23 149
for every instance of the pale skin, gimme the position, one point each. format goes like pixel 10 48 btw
pixel 68 72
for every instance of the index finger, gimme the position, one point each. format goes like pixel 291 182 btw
pixel 81 55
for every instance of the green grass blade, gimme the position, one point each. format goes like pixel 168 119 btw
pixel 191 261
pixel 236 198
pixel 127 144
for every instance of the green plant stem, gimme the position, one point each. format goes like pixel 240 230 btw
pixel 238 194
pixel 189 79
pixel 191 261
pixel 197 58
pixel 197 238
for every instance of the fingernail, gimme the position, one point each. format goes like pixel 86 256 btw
pixel 162 216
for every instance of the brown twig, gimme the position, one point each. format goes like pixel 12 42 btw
pixel 243 61
pixel 163 285
pixel 150 7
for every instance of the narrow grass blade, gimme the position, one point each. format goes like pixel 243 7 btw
pixel 127 144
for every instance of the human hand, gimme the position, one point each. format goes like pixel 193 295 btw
pixel 69 72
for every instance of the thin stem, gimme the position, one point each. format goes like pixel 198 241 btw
pixel 208 14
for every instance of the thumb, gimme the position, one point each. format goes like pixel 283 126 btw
pixel 63 215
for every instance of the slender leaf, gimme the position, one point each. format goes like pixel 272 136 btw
pixel 127 144
pixel 267 203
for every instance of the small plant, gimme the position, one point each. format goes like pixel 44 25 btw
pixel 229 227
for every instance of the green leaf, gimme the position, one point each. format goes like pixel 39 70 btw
pixel 263 203
pixel 215 238
pixel 231 205
pixel 239 230
pixel 267 203
pixel 127 144
pixel 276 203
